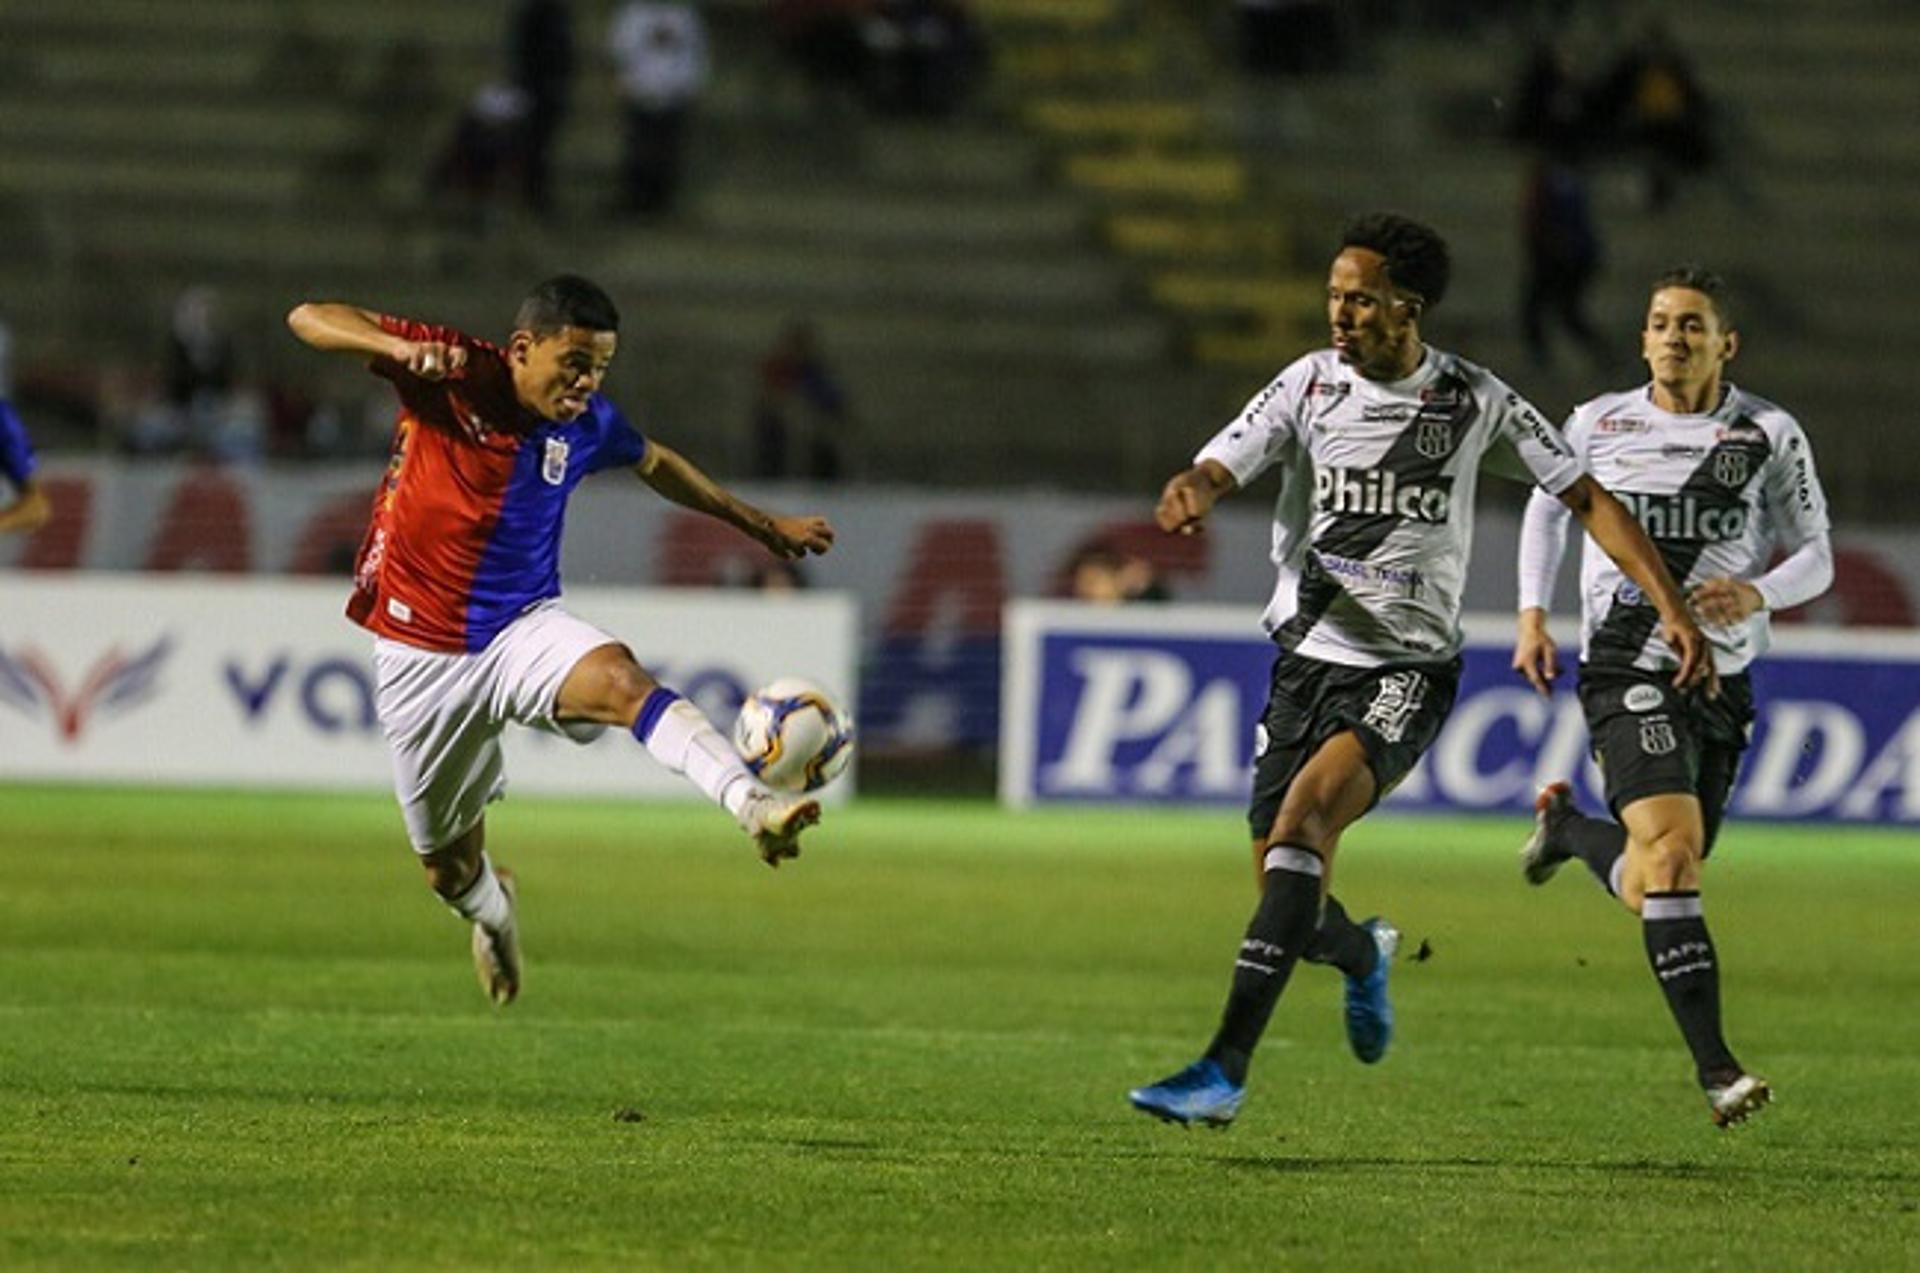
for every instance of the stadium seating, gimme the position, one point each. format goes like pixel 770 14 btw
pixel 1816 206
pixel 278 152
pixel 1127 231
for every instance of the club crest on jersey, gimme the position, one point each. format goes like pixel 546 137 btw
pixel 1730 468
pixel 553 464
pixel 1657 737
pixel 1433 438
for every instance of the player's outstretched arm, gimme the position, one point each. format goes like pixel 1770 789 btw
pixel 1190 495
pixel 1620 536
pixel 1543 542
pixel 348 329
pixel 28 513
pixel 680 480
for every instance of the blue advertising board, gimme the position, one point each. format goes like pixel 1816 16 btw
pixel 1158 704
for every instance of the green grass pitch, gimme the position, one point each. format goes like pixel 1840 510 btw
pixel 237 1032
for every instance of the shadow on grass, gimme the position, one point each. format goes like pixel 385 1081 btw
pixel 1641 1167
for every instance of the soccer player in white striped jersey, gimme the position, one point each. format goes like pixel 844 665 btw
pixel 1719 478
pixel 1381 440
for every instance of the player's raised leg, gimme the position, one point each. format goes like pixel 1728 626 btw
pixel 1363 951
pixel 466 880
pixel 1334 788
pixel 1562 833
pixel 608 686
pixel 1661 879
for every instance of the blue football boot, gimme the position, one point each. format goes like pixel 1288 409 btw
pixel 1201 1093
pixel 1369 1013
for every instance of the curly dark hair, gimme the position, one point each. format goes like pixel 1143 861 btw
pixel 566 300
pixel 1698 278
pixel 1418 262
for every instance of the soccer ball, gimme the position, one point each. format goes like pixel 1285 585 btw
pixel 792 736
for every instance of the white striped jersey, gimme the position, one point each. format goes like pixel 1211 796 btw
pixel 1374 521
pixel 1716 493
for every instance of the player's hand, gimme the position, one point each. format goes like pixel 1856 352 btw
pixel 1724 602
pixel 1535 656
pixel 434 360
pixel 1184 504
pixel 1684 638
pixel 795 537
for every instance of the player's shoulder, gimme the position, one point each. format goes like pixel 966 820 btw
pixel 1315 367
pixel 1318 372
pixel 1476 378
pixel 1751 408
pixel 1620 405
pixel 606 416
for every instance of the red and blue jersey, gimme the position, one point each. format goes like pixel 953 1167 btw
pixel 466 525
pixel 17 462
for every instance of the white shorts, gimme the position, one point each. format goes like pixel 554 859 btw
pixel 443 715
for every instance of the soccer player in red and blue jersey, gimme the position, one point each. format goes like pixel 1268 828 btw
pixel 30 508
pixel 459 581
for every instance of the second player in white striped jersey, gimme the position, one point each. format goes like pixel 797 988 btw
pixel 1374 519
pixel 1717 493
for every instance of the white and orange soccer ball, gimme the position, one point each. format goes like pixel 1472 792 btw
pixel 793 736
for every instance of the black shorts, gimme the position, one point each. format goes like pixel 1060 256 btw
pixel 1395 710
pixel 1654 740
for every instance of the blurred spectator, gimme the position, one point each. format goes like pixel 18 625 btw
pixel 801 418
pixel 659 53
pixel 924 56
pixel 486 151
pixel 1563 255
pixel 1103 574
pixel 825 40
pixel 1653 106
pixel 540 61
pixel 1288 36
pixel 203 409
pixel 200 359
pixel 1549 104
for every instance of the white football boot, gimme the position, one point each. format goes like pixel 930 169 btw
pixel 1738 1100
pixel 496 955
pixel 775 822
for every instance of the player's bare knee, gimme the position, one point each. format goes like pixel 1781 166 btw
pixel 1308 826
pixel 626 688
pixel 608 686
pixel 1671 861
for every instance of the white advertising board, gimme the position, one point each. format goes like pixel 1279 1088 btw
pixel 253 682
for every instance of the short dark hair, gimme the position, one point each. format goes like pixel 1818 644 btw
pixel 566 300
pixel 1417 259
pixel 1698 278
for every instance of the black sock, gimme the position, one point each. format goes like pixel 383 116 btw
pixel 1599 842
pixel 1341 942
pixel 1283 926
pixel 1682 956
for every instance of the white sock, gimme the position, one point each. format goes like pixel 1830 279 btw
pixel 685 741
pixel 484 902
